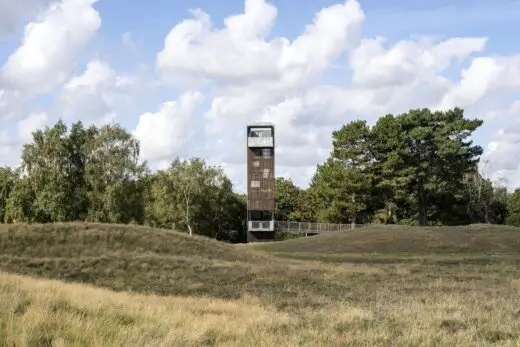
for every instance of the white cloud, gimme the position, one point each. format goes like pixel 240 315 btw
pixel 164 133
pixel 374 66
pixel 97 93
pixel 9 149
pixel 14 13
pixel 47 56
pixel 502 153
pixel 11 142
pixel 27 126
pixel 308 85
pixel 11 104
pixel 240 53
pixel 485 76
pixel 50 46
pixel 5 142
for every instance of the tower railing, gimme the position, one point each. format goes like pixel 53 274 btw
pixel 260 142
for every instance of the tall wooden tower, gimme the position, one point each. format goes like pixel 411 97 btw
pixel 260 182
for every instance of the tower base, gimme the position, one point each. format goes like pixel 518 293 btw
pixel 260 236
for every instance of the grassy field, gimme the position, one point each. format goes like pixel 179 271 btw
pixel 106 285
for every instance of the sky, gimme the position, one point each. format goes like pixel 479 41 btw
pixel 186 77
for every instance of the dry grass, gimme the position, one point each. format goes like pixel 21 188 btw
pixel 51 313
pixel 234 296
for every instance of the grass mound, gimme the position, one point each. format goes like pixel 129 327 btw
pixel 463 240
pixel 94 240
pixel 134 258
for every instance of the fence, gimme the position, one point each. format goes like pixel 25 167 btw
pixel 313 228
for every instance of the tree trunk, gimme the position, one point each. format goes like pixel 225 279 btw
pixel 354 219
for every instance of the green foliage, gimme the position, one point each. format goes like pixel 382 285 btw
pixel 114 177
pixel 94 174
pixel 282 236
pixel 343 182
pixel 7 181
pixel 513 208
pixel 417 168
pixel 195 197
pixel 287 199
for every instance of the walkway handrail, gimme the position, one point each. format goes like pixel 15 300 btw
pixel 308 227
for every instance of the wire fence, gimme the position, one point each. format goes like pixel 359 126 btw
pixel 306 227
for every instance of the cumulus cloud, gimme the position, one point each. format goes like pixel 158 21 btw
pixel 14 13
pixel 5 143
pixel 11 104
pixel 501 155
pixel 165 133
pixel 246 56
pixel 240 73
pixel 96 94
pixel 375 66
pixel 50 46
pixel 485 76
pixel 30 124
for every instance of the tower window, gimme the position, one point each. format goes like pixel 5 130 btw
pixel 261 132
pixel 267 152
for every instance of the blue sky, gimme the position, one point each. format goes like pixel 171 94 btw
pixel 499 19
pixel 195 127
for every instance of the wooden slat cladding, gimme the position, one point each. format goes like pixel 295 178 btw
pixel 261 179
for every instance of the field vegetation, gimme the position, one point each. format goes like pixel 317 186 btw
pixel 114 285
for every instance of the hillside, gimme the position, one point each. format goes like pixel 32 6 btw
pixel 122 257
pixel 161 288
pixel 475 239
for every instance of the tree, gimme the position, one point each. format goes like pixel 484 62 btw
pixel 287 195
pixel 19 205
pixel 114 176
pixel 307 205
pixel 8 178
pixel 345 180
pixel 391 198
pixel 513 208
pixel 197 198
pixel 86 174
pixel 191 179
pixel 436 154
pixel 406 169
pixel 46 163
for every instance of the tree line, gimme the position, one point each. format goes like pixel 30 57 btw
pixel 94 174
pixel 417 168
